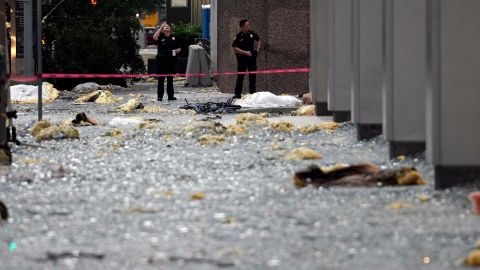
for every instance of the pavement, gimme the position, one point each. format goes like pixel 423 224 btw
pixel 157 199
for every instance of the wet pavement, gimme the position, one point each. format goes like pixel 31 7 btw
pixel 157 199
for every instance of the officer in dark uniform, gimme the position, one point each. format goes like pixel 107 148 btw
pixel 168 49
pixel 246 51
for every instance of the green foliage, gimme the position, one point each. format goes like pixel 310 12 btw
pixel 85 39
pixel 186 33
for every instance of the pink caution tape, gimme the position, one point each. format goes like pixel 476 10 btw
pixel 124 76
pixel 23 79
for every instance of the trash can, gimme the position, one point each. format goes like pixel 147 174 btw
pixel 198 64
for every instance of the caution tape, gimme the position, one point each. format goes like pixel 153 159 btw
pixel 144 76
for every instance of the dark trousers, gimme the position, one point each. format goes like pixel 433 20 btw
pixel 165 65
pixel 246 64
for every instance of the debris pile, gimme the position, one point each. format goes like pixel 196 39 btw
pixel 362 175
pixel 198 128
pixel 83 120
pixel 400 205
pixel 251 118
pixel 151 125
pixel 303 153
pixel 282 127
pixel 209 139
pixel 154 109
pixel 307 99
pixel 306 111
pixel 130 106
pixel 113 133
pixel 473 258
pixel 99 97
pixel 28 94
pixel 89 87
pixel 236 130
pixel 45 130
pixel 197 196
pixel 325 126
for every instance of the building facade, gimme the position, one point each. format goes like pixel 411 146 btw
pixel 284 30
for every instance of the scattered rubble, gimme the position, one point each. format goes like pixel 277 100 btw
pixel 400 205
pixel 106 97
pixel 130 106
pixel 423 197
pixel 5 155
pixel 362 175
pixel 197 196
pixel 473 258
pixel 204 127
pixel 236 130
pixel 251 118
pixel 307 99
pixel 113 133
pixel 82 119
pixel 306 111
pixel 28 94
pixel 89 87
pixel 57 256
pixel 99 97
pixel 39 126
pixel 86 88
pixel 209 139
pixel 282 127
pixel 3 211
pixel 325 126
pixel 136 210
pixel 303 153
pixel 154 109
pixel 475 199
pixel 58 132
pixel 44 130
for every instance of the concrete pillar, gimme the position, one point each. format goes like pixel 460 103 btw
pixel 367 64
pixel 453 92
pixel 319 54
pixel 213 35
pixel 28 64
pixel 340 71
pixel 405 76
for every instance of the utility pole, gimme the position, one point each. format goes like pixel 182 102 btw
pixel 5 154
pixel 39 59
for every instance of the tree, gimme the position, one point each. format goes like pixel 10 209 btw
pixel 85 38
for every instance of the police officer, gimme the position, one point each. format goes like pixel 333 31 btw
pixel 246 47
pixel 168 48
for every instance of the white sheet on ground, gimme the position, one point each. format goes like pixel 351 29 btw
pixel 28 94
pixel 267 100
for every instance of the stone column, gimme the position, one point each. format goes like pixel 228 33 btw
pixel 213 35
pixel 367 65
pixel 340 71
pixel 453 92
pixel 319 54
pixel 405 76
